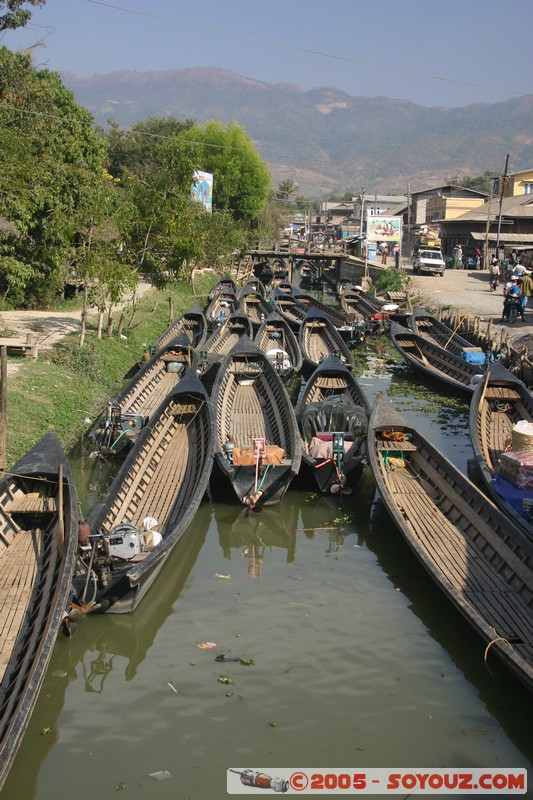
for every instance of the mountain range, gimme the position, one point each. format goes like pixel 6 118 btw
pixel 323 139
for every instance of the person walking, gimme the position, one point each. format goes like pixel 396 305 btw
pixel 396 255
pixel 384 254
pixel 526 285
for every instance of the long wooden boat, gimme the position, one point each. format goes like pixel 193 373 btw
pixel 481 561
pixel 117 429
pixel 156 491
pixel 38 541
pixel 332 413
pixel 255 306
pixel 254 285
pixel 335 315
pixel 192 324
pixel 224 338
pixel 276 338
pixel 289 309
pixel 434 362
pixel 258 447
pixel 318 338
pixel 356 301
pixel 220 307
pixel 225 284
pixel 498 403
pixel 426 324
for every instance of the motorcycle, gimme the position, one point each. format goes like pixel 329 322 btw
pixel 512 307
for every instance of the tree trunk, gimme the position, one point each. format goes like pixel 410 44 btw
pixel 120 324
pixel 84 312
pixel 110 322
pixel 170 310
pixel 100 323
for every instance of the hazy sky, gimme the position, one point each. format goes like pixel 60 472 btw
pixel 449 53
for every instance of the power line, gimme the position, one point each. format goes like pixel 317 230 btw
pixel 298 49
pixel 162 137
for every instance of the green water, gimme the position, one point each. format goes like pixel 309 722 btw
pixel 359 661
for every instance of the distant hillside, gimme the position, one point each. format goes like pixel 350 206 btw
pixel 324 139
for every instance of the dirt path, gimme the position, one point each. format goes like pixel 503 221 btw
pixel 48 327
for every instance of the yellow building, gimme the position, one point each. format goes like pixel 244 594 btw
pixel 446 208
pixel 518 183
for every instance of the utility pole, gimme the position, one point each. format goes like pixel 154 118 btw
pixel 504 181
pixel 362 210
pixel 409 216
pixel 486 247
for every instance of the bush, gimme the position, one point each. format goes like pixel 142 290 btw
pixel 390 280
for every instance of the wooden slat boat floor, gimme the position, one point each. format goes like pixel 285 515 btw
pixel 460 561
pixel 501 393
pixel 166 463
pixel 18 569
pixel 330 382
pixel 31 505
pixel 225 343
pixel 153 394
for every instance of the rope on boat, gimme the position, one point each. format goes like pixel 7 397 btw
pixel 495 641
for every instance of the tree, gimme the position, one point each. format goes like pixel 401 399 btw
pixel 53 157
pixel 481 183
pixel 144 147
pixel 16 16
pixel 241 180
pixel 287 189
pixel 167 233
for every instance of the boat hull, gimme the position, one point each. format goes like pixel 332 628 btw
pixel 39 532
pixel 477 557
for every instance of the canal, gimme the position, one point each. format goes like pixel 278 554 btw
pixel 350 655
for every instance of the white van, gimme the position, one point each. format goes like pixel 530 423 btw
pixel 429 260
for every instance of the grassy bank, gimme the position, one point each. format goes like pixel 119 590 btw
pixel 67 385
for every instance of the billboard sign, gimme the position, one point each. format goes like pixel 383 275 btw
pixel 202 189
pixel 383 229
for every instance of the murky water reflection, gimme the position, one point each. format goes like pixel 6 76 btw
pixel 359 660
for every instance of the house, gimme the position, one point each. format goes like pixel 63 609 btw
pixel 515 184
pixel 451 198
pixel 482 227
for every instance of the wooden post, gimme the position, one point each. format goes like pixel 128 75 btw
pixel 3 405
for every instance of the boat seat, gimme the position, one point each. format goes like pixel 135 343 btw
pixel 32 504
pixel 390 445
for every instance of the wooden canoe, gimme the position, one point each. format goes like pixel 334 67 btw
pixel 289 309
pixel 220 308
pixel 228 334
pixel 38 541
pixel 426 324
pixel 251 404
pixel 225 284
pixel 255 306
pixel 318 338
pixel 332 393
pixel 481 561
pixel 276 338
pixel 117 429
pixel 434 362
pixel 498 403
pixel 192 324
pixel 335 315
pixel 163 479
pixel 254 285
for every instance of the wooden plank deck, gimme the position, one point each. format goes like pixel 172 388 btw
pixel 18 569
pixel 474 578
